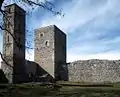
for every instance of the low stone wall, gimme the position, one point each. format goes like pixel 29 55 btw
pixel 94 71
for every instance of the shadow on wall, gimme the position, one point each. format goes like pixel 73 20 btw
pixel 61 72
pixel 42 75
pixel 3 78
pixel 35 73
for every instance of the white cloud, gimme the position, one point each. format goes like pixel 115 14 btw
pixel 76 15
pixel 102 49
pixel 30 54
pixel 105 56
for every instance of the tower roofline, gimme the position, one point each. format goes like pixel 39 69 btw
pixel 14 4
pixel 53 26
pixel 46 26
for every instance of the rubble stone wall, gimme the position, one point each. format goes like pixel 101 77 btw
pixel 94 71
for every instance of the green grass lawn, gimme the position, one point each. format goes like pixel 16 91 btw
pixel 57 90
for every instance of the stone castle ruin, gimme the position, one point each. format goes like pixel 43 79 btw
pixel 49 54
pixel 50 50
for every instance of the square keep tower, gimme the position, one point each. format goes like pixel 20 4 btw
pixel 50 51
pixel 14 44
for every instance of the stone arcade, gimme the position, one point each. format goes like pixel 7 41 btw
pixel 49 54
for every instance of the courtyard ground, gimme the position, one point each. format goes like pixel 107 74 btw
pixel 60 90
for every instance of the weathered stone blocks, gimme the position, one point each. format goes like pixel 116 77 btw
pixel 97 71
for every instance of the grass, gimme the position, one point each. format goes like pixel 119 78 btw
pixel 58 90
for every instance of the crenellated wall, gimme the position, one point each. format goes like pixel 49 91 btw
pixel 94 71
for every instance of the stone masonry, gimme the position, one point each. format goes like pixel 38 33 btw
pixel 14 44
pixel 50 50
pixel 97 71
pixel 49 54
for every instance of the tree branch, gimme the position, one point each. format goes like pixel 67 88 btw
pixel 5 60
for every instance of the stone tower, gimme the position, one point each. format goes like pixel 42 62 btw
pixel 50 51
pixel 14 44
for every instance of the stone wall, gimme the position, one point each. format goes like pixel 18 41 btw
pixel 94 71
pixel 50 50
pixel 60 54
pixel 35 73
pixel 44 48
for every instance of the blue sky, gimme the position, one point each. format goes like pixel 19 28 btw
pixel 92 28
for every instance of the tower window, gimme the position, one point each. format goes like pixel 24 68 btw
pixel 41 34
pixel 46 43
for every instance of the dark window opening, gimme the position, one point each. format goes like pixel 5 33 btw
pixel 47 43
pixel 41 34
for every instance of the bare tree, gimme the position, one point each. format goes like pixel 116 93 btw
pixel 37 3
pixel 46 5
